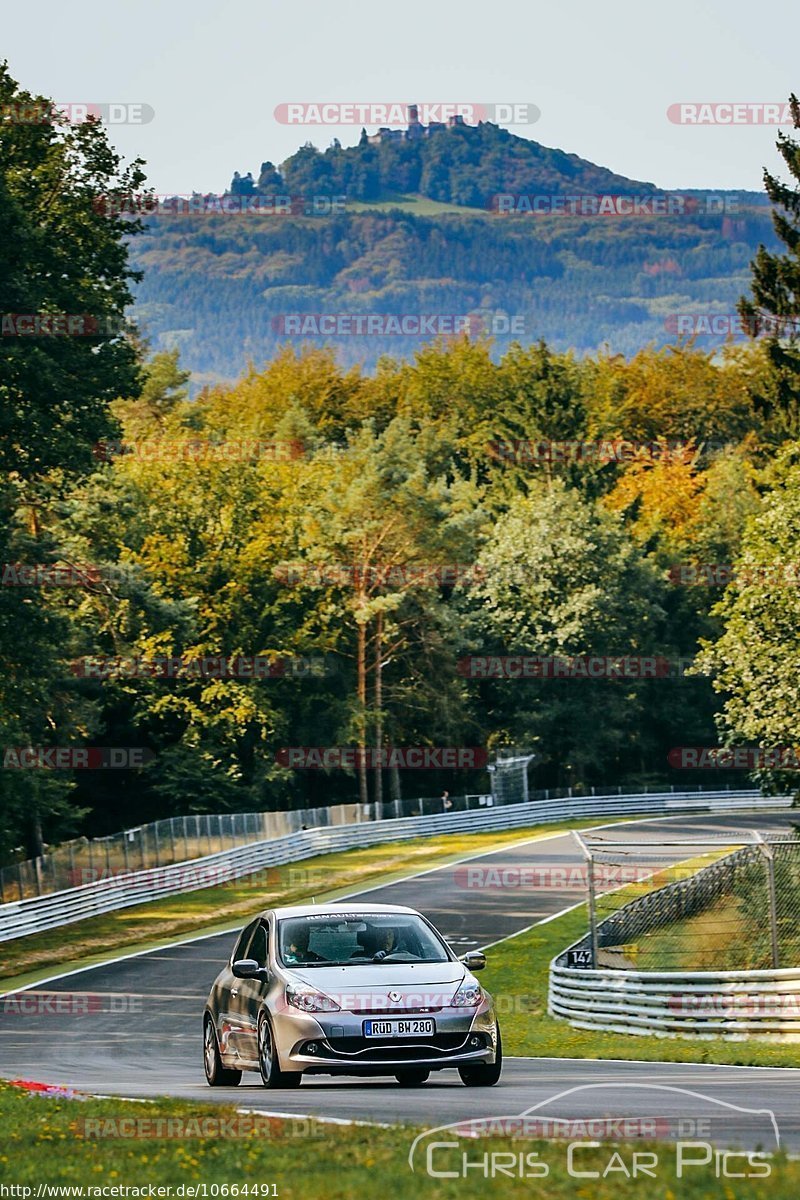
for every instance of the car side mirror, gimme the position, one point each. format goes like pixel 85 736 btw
pixel 248 968
pixel 474 960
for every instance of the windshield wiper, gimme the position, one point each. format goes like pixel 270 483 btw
pixel 400 958
pixel 326 963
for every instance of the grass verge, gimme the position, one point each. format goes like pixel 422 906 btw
pixel 419 206
pixel 713 940
pixel 46 1143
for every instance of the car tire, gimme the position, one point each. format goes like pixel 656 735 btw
pixel 217 1075
pixel 413 1077
pixel 271 1074
pixel 484 1074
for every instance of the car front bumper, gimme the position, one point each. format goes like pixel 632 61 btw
pixel 327 1043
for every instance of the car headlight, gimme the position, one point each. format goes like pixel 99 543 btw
pixel 469 995
pixel 308 1000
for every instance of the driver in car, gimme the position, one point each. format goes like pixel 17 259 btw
pixel 385 942
pixel 374 942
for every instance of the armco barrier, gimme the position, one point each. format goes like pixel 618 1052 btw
pixel 40 913
pixel 704 1004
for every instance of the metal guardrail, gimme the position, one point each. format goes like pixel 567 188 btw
pixel 39 913
pixel 704 1004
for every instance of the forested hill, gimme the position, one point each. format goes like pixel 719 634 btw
pixel 464 165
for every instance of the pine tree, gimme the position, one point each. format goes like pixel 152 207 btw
pixel 774 309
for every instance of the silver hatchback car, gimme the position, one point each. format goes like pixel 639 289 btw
pixel 342 990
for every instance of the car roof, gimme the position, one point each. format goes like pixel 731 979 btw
pixel 336 910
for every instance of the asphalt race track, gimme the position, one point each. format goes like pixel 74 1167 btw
pixel 139 1033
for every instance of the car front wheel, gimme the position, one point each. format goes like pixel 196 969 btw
pixel 217 1075
pixel 484 1074
pixel 271 1074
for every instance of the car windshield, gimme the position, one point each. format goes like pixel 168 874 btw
pixel 358 939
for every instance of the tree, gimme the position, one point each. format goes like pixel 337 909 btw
pixel 61 254
pixel 163 389
pixel 35 700
pixel 660 494
pixel 269 180
pixel 378 514
pixel 774 309
pixel 678 392
pixel 559 577
pixel 64 286
pixel 756 659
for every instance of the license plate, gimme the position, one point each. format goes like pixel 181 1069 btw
pixel 412 1027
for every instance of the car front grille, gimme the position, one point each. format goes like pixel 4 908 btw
pixel 390 1013
pixel 437 1045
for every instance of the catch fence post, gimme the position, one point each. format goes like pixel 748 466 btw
pixel 590 896
pixel 769 856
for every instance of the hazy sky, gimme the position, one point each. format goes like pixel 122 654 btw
pixel 603 75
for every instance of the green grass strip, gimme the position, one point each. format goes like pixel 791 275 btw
pixel 53 1141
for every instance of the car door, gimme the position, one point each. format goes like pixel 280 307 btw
pixel 247 996
pixel 229 1020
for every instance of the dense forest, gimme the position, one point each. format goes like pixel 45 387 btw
pixel 220 287
pixel 371 536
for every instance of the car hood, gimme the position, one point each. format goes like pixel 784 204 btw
pixel 381 977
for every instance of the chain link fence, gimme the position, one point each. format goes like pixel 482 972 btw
pixel 181 839
pixel 711 904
